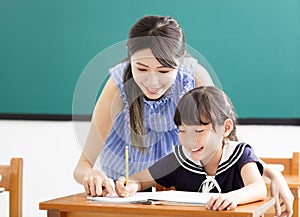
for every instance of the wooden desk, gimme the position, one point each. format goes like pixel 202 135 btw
pixel 77 205
pixel 294 184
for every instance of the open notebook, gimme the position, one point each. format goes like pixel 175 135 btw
pixel 160 197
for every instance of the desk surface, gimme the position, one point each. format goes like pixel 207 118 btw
pixel 77 205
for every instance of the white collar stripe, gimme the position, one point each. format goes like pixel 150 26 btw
pixel 232 157
pixel 186 163
pixel 237 153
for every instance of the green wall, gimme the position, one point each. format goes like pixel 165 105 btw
pixel 46 46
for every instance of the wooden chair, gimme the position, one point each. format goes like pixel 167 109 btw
pixel 12 181
pixel 162 188
pixel 290 168
pixel 291 165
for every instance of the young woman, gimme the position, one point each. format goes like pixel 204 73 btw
pixel 209 158
pixel 137 105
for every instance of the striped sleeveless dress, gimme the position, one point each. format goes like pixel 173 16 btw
pixel 162 133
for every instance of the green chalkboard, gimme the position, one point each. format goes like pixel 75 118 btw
pixel 49 48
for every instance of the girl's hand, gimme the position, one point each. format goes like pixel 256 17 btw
pixel 97 184
pixel 221 202
pixel 124 191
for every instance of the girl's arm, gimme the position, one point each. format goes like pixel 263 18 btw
pixel 254 189
pixel 108 106
pixel 137 182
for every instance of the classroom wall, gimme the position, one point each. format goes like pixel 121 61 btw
pixel 50 152
pixel 54 56
pixel 51 149
pixel 46 46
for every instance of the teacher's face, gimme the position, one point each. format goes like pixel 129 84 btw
pixel 153 78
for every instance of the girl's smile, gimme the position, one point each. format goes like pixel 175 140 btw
pixel 196 150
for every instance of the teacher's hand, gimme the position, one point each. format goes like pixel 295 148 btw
pixel 97 184
pixel 283 196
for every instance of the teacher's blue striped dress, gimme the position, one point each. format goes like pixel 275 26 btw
pixel 162 133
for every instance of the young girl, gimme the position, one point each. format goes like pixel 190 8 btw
pixel 209 159
pixel 137 105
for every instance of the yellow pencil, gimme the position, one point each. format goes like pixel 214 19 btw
pixel 126 169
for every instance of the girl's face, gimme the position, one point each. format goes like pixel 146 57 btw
pixel 201 140
pixel 153 78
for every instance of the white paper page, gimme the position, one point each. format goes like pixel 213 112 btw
pixel 168 196
pixel 182 197
pixel 138 197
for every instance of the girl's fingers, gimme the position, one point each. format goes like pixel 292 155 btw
pixel 120 187
pixel 224 205
pixel 217 204
pixel 211 202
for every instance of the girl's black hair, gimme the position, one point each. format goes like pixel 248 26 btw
pixel 204 105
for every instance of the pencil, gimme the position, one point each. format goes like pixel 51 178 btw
pixel 126 168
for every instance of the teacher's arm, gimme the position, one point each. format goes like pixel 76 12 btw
pixel 107 107
pixel 279 190
pixel 202 77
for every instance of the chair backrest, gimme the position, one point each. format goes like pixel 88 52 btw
pixel 162 188
pixel 291 165
pixel 12 181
